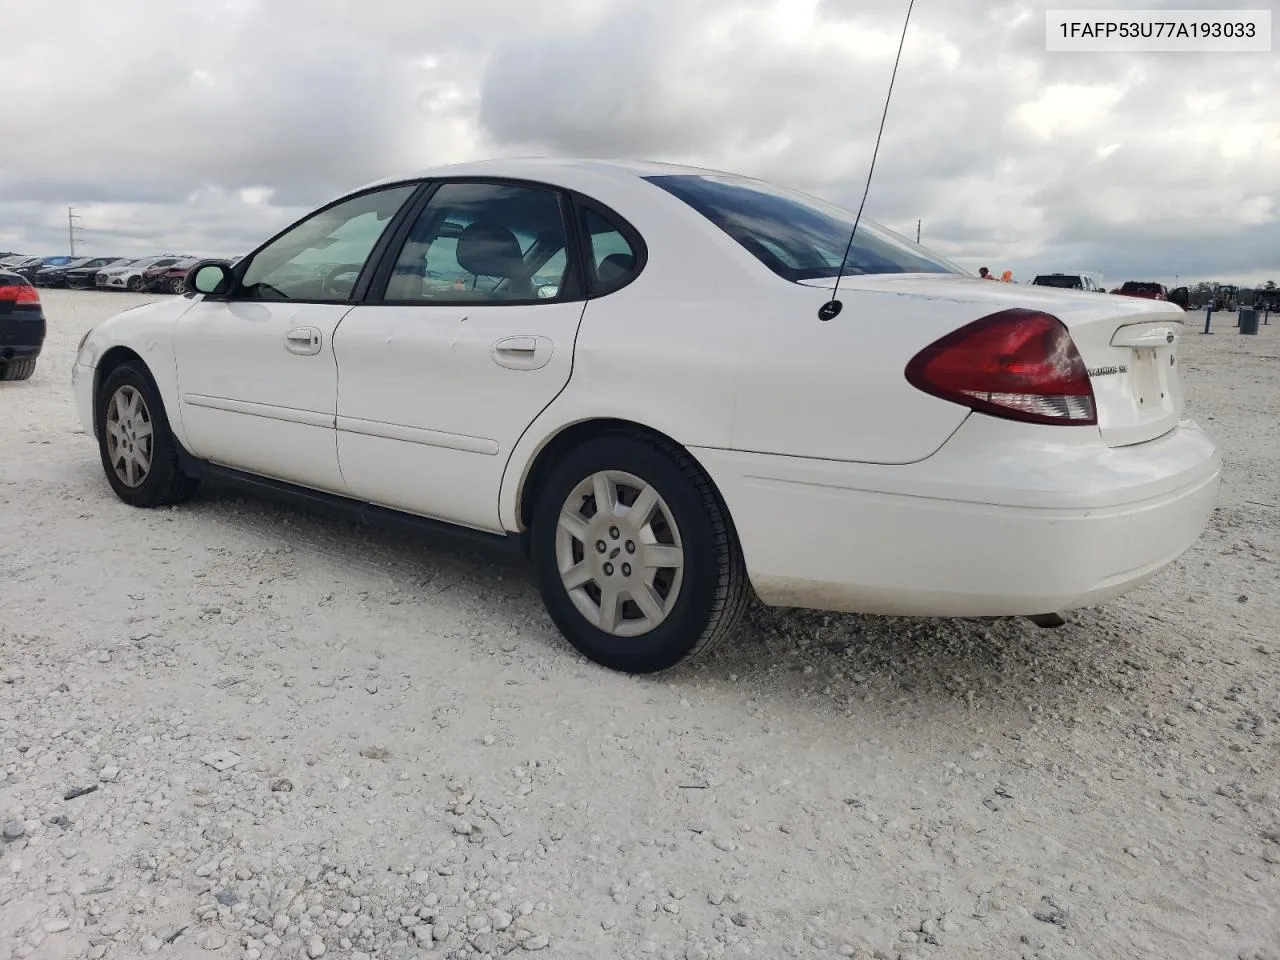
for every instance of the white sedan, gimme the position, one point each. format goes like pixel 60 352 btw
pixel 128 275
pixel 639 374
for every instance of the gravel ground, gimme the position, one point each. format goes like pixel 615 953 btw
pixel 303 739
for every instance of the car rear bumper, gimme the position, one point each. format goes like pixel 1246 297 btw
pixel 22 334
pixel 985 527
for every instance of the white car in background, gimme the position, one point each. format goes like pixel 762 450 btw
pixel 129 276
pixel 640 374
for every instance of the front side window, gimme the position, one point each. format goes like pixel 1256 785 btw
pixel 796 236
pixel 321 258
pixel 488 242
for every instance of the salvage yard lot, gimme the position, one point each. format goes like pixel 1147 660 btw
pixel 421 766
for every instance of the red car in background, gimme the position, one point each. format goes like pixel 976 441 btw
pixel 1140 288
pixel 168 279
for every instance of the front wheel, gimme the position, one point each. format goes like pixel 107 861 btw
pixel 139 452
pixel 137 284
pixel 177 285
pixel 635 557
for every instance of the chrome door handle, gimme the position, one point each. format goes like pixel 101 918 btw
pixel 303 340
pixel 523 353
pixel 527 345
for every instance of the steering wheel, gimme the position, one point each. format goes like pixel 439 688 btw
pixel 328 288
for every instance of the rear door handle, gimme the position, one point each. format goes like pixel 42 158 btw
pixel 522 353
pixel 517 345
pixel 303 340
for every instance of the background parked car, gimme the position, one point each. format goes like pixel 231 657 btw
pixel 131 277
pixel 56 276
pixel 84 277
pixel 15 264
pixel 30 270
pixel 169 278
pixel 1069 281
pixel 1142 289
pixel 22 326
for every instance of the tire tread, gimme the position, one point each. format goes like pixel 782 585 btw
pixel 13 370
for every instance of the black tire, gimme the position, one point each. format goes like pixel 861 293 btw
pixel 164 483
pixel 714 591
pixel 137 284
pixel 17 369
pixel 178 285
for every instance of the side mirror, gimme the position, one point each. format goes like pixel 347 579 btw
pixel 548 292
pixel 211 279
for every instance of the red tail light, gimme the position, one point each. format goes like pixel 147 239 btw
pixel 19 293
pixel 1016 364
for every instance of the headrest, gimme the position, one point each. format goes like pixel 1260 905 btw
pixel 615 267
pixel 489 249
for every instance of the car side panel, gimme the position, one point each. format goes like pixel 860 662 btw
pixel 625 368
pixel 147 330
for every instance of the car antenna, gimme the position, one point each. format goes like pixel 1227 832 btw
pixel 831 309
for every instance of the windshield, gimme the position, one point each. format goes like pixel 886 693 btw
pixel 796 236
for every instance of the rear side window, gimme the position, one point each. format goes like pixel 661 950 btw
pixel 796 236
pixel 613 260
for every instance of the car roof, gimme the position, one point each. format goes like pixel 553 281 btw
pixel 558 170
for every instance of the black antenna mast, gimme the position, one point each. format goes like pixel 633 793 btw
pixel 832 307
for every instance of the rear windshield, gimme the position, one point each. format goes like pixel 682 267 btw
pixel 796 236
pixel 1135 287
pixel 1067 283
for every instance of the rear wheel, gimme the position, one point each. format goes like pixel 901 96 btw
pixel 635 557
pixel 139 453
pixel 17 369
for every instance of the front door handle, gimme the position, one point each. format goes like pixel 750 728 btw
pixel 303 340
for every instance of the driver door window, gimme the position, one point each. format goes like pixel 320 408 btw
pixel 320 259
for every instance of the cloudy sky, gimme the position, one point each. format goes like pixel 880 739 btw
pixel 203 126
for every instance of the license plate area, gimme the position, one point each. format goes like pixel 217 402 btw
pixel 1149 374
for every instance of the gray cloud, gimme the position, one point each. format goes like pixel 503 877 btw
pixel 206 127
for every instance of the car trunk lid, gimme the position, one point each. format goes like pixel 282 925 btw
pixel 1130 346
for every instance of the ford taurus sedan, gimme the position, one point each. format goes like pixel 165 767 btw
pixel 643 375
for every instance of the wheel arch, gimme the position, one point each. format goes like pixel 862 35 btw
pixel 538 466
pixel 115 357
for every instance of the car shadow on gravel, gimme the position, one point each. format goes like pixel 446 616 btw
pixel 843 659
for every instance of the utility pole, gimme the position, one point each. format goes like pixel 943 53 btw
pixel 72 217
pixel 917 231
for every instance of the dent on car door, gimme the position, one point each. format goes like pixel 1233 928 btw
pixel 471 340
pixel 256 368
